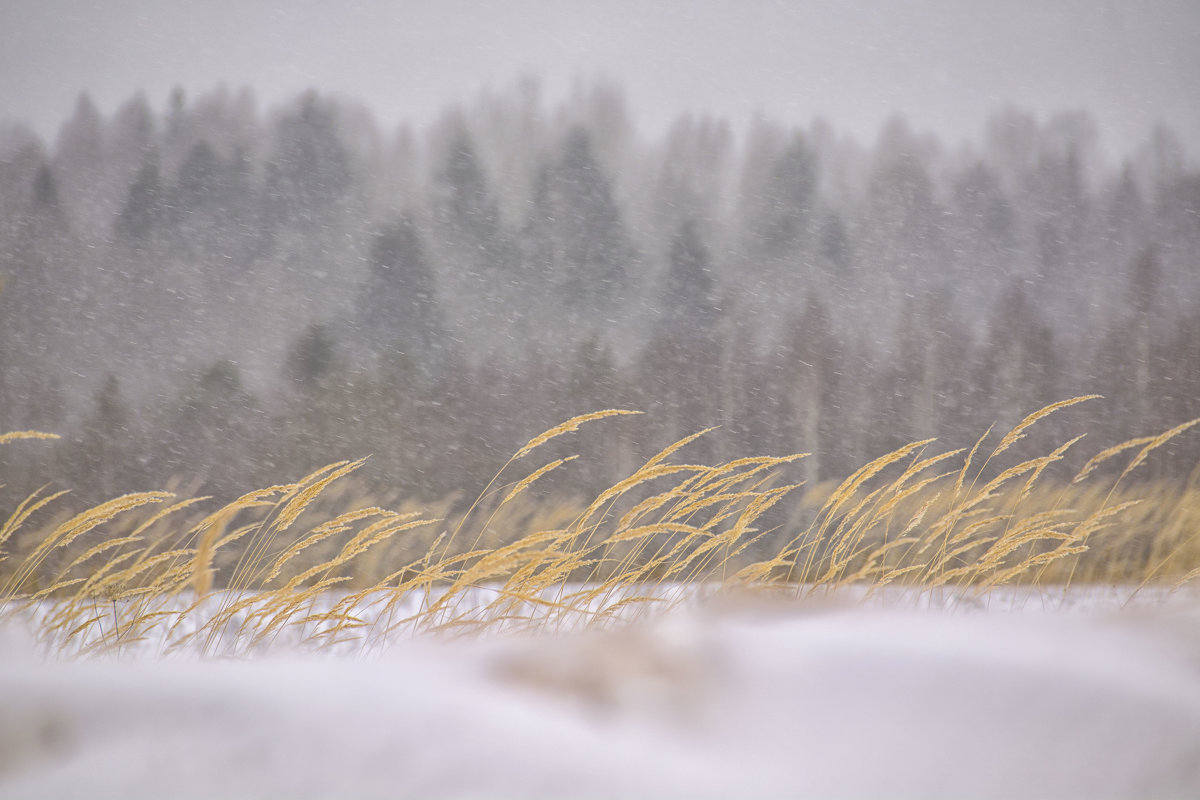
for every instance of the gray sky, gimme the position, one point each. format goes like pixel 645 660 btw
pixel 944 63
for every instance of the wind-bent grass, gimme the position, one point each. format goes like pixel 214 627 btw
pixel 280 563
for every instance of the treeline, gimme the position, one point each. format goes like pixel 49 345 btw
pixel 228 296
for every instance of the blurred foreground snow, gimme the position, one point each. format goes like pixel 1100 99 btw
pixel 731 699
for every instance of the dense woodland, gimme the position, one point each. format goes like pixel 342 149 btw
pixel 222 296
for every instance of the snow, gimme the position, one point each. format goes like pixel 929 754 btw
pixel 745 698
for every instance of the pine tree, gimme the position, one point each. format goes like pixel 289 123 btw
pixel 310 171
pixel 144 210
pixel 100 454
pixel 596 253
pixel 788 201
pixel 311 358
pixel 398 309
pixel 686 300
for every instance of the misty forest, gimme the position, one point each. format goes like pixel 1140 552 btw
pixel 213 295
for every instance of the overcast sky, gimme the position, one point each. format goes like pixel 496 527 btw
pixel 944 63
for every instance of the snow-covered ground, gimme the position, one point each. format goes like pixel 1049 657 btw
pixel 728 698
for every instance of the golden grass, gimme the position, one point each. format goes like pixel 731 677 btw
pixel 285 561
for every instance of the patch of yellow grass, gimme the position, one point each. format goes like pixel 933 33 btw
pixel 281 560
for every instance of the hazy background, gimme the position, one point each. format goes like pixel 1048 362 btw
pixel 945 64
pixel 241 240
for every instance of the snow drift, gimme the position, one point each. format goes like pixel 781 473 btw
pixel 733 699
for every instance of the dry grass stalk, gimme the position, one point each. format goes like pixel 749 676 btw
pixel 1018 433
pixel 569 426
pixel 528 481
pixel 339 524
pixel 14 436
pixel 26 508
pixel 64 534
pixel 1104 455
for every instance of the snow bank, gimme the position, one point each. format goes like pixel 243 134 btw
pixel 728 700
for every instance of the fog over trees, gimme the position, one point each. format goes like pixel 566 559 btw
pixel 224 295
